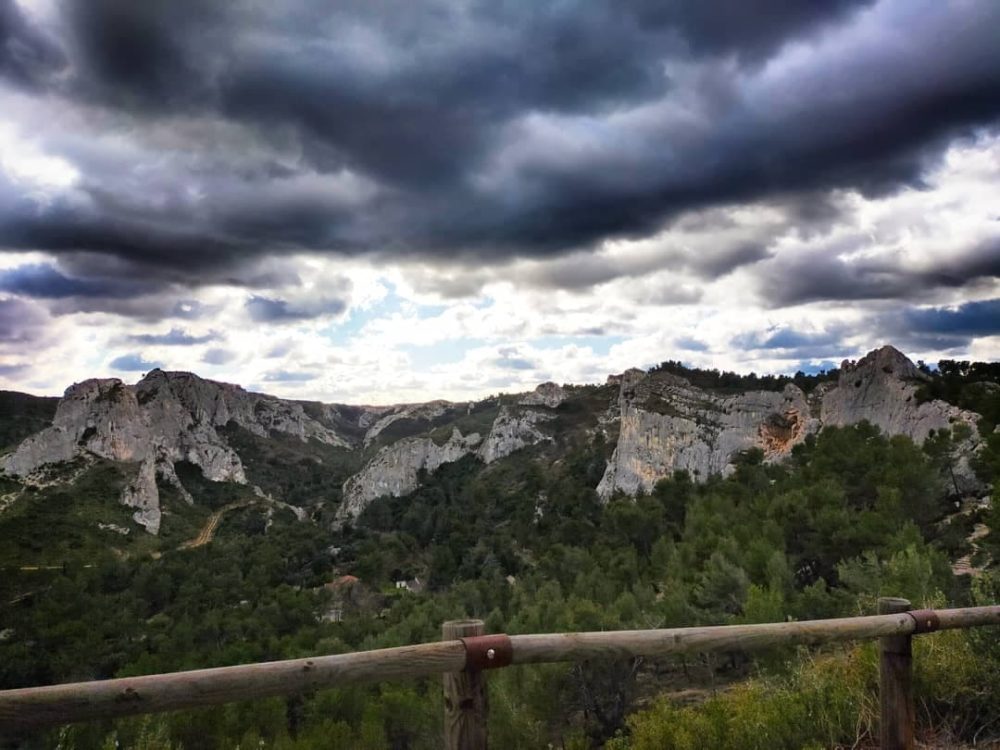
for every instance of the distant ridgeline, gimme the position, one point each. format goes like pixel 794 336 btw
pixel 333 460
pixel 221 526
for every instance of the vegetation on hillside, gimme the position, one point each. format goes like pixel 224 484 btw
pixel 22 414
pixel 734 382
pixel 526 545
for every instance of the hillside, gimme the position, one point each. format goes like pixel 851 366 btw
pixel 660 498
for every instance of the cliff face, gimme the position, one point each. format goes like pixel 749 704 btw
pixel 881 387
pixel 395 469
pixel 667 425
pixel 163 419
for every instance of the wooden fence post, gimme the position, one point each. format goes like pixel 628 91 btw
pixel 465 701
pixel 895 682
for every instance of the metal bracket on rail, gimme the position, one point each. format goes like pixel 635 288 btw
pixel 487 651
pixel 926 620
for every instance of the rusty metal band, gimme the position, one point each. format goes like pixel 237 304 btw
pixel 926 620
pixel 488 651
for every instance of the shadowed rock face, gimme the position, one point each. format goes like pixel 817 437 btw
pixel 667 424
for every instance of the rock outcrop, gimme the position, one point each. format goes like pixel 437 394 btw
pixel 419 412
pixel 661 422
pixel 141 494
pixel 395 469
pixel 513 429
pixel 882 388
pixel 165 418
pixel 666 424
pixel 546 394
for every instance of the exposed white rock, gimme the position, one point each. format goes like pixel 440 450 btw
pixel 546 394
pixel 428 411
pixel 213 404
pixel 141 494
pixel 669 425
pixel 124 531
pixel 165 418
pixel 395 469
pixel 666 424
pixel 513 429
pixel 97 416
pixel 881 387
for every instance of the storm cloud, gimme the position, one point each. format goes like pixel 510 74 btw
pixel 307 193
pixel 452 132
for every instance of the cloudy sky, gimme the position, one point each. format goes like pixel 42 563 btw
pixel 386 200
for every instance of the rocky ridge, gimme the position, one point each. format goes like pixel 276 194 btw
pixel 395 470
pixel 659 422
pixel 666 424
pixel 164 419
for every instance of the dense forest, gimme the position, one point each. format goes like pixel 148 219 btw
pixel 528 547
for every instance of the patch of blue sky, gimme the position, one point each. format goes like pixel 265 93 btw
pixel 813 369
pixel 344 331
pixel 341 333
pixel 600 345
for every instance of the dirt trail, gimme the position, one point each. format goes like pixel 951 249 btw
pixel 963 566
pixel 208 530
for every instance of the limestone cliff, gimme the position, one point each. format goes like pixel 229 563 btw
pixel 163 419
pixel 513 429
pixel 546 394
pixel 881 387
pixel 666 424
pixel 395 469
pixel 659 421
pixel 419 412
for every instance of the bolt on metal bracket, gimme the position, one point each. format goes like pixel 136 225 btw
pixel 926 620
pixel 487 651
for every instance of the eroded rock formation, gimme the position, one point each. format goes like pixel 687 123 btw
pixel 667 424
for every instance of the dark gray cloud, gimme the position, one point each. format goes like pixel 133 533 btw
pixel 13 370
pixel 967 320
pixel 514 363
pixel 480 131
pixel 690 344
pixel 173 337
pixel 218 356
pixel 28 56
pixel 43 281
pixel 827 272
pixel 20 322
pixel 511 359
pixel 789 343
pixel 267 310
pixel 133 363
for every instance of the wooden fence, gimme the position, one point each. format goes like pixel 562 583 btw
pixel 467 652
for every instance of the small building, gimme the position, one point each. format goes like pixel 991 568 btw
pixel 413 585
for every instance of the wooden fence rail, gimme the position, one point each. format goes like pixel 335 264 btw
pixel 465 653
